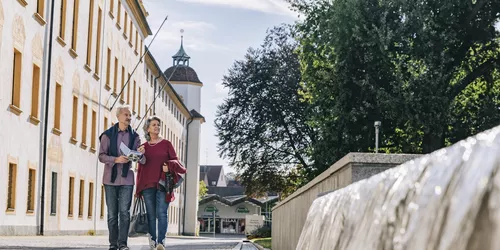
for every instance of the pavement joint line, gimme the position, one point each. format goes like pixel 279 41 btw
pixel 238 247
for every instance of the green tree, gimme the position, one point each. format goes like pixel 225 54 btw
pixel 203 190
pixel 426 69
pixel 262 125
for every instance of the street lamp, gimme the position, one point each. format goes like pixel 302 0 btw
pixel 377 125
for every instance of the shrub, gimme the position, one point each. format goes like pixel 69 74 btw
pixel 261 232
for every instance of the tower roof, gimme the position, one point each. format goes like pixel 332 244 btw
pixel 181 56
pixel 183 72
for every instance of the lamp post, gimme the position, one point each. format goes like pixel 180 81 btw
pixel 213 214
pixel 377 126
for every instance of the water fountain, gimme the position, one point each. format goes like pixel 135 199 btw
pixel 447 200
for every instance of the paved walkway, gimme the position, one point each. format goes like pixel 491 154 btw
pixel 140 243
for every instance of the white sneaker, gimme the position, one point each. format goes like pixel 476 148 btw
pixel 160 247
pixel 152 244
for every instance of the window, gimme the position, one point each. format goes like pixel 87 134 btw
pixel 125 25
pixel 139 103
pixel 11 187
pixel 136 40
pixel 128 90
pixel 102 202
pixel 93 131
pixel 108 69
pixel 141 50
pixel 75 25
pixel 147 75
pixel 31 190
pixel 84 126
pixel 105 123
pixel 123 84
pixel 57 112
pixel 35 93
pixel 115 80
pixel 74 119
pixel 89 35
pixel 130 34
pixel 53 194
pixel 90 211
pixel 118 19
pixel 80 200
pixel 62 24
pixel 71 196
pixel 111 7
pixel 40 7
pixel 98 46
pixel 133 97
pixel 16 83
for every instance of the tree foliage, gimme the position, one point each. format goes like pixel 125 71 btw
pixel 427 69
pixel 262 124
pixel 203 189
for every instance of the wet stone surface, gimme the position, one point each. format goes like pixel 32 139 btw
pixel 100 243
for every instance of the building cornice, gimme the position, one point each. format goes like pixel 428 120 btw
pixel 136 9
pixel 199 84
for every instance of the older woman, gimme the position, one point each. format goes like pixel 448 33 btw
pixel 156 179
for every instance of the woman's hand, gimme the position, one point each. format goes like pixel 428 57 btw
pixel 141 149
pixel 165 167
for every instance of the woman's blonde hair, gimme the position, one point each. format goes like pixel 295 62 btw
pixel 147 124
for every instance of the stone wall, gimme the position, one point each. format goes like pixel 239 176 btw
pixel 290 215
pixel 447 200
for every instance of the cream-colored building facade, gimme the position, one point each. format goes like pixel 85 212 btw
pixel 95 51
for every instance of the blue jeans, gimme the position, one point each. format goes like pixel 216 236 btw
pixel 156 207
pixel 118 201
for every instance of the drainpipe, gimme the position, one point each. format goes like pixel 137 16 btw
pixel 154 93
pixel 45 120
pixel 101 64
pixel 185 182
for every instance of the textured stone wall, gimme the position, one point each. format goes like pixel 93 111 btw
pixel 447 200
pixel 290 215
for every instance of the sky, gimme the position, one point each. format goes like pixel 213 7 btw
pixel 216 33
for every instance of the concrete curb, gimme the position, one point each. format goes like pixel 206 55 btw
pixel 259 246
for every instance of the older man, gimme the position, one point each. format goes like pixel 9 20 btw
pixel 118 178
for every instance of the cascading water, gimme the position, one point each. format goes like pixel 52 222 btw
pixel 447 200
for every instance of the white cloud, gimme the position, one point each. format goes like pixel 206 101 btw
pixel 279 7
pixel 199 26
pixel 196 33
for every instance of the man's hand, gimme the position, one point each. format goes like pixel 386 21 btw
pixel 165 167
pixel 141 149
pixel 121 159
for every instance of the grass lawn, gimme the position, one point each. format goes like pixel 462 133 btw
pixel 265 242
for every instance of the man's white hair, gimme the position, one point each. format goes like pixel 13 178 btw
pixel 121 108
